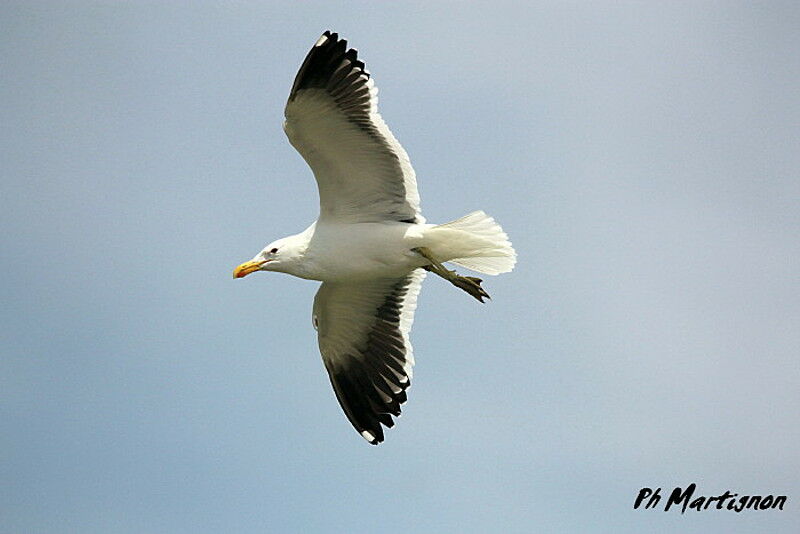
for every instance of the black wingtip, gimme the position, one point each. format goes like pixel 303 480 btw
pixel 373 438
pixel 326 36
pixel 328 54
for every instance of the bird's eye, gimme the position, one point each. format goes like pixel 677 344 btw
pixel 273 251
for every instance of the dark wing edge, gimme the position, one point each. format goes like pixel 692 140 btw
pixel 331 66
pixel 370 381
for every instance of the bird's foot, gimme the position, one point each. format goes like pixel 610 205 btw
pixel 470 284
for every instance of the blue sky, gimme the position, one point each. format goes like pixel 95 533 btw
pixel 644 160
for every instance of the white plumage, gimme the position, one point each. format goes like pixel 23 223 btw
pixel 370 245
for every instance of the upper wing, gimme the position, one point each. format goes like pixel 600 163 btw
pixel 332 119
pixel 362 330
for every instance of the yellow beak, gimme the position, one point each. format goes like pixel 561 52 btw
pixel 247 268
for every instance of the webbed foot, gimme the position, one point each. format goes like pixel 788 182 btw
pixel 470 284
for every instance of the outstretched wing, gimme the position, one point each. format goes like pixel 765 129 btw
pixel 362 330
pixel 362 172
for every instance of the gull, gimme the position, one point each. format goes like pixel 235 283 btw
pixel 370 246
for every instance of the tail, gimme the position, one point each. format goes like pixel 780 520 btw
pixel 478 244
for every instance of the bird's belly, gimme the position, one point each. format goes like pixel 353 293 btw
pixel 363 251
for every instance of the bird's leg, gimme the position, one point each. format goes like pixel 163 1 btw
pixel 470 284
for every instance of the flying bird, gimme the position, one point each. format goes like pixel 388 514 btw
pixel 370 246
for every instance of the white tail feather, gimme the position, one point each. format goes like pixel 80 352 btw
pixel 480 245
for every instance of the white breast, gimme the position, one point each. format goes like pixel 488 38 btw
pixel 341 251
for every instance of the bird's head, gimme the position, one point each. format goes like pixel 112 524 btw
pixel 279 256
